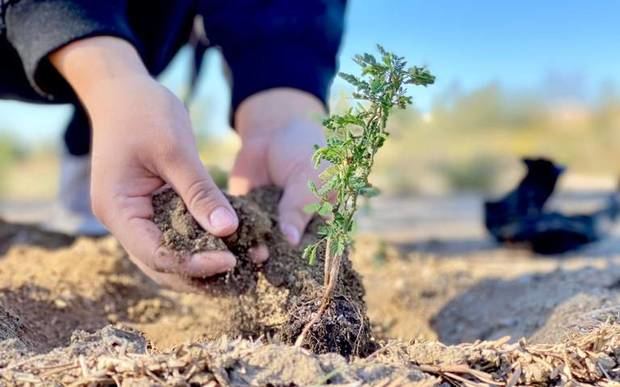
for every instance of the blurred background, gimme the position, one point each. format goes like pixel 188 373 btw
pixel 513 79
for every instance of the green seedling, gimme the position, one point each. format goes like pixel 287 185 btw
pixel 353 140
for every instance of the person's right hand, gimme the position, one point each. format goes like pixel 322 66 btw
pixel 142 139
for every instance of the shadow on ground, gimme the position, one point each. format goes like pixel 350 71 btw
pixel 463 247
pixel 48 321
pixel 12 234
pixel 448 247
pixel 543 307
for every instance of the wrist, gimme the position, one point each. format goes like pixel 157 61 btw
pixel 93 64
pixel 265 112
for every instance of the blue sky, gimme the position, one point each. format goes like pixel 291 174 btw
pixel 565 49
pixel 565 45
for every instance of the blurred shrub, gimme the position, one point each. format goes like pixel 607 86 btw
pixel 467 139
pixel 219 176
pixel 477 174
pixel 11 152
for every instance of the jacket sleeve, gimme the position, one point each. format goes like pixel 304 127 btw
pixel 36 28
pixel 277 43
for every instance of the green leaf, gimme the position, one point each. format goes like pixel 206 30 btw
pixel 329 186
pixel 317 156
pixel 313 188
pixel 381 50
pixel 310 253
pixel 325 209
pixel 353 139
pixel 358 183
pixel 328 173
pixel 323 230
pixel 351 79
pixel 356 130
pixel 312 208
pixel 338 247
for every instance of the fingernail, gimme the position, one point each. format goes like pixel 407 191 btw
pixel 291 233
pixel 222 218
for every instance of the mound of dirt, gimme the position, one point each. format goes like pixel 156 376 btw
pixel 545 307
pixel 486 294
pixel 15 336
pixel 281 296
pixel 113 356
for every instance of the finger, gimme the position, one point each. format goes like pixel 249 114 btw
pixel 208 263
pixel 293 218
pixel 239 185
pixel 171 281
pixel 259 254
pixel 247 172
pixel 142 240
pixel 129 219
pixel 203 198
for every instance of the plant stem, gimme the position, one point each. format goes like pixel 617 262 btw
pixel 328 262
pixel 332 270
pixel 352 157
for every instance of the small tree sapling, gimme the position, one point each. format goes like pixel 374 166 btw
pixel 353 140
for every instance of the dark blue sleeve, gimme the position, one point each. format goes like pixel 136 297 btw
pixel 36 28
pixel 277 43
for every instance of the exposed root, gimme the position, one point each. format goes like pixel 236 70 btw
pixel 315 319
pixel 332 270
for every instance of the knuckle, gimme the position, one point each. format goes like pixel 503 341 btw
pixel 170 156
pixel 161 261
pixel 167 265
pixel 201 194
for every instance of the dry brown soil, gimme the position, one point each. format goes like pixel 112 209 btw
pixel 77 311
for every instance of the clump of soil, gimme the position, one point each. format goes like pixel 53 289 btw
pixel 279 297
pixel 183 235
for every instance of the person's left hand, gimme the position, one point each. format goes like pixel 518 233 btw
pixel 279 129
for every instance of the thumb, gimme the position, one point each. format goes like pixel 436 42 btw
pixel 293 218
pixel 203 198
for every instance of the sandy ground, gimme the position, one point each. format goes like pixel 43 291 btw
pixel 448 280
pixel 430 274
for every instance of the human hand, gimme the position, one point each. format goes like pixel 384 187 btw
pixel 278 130
pixel 142 139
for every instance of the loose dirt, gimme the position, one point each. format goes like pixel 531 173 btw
pixel 485 295
pixel 77 311
pixel 281 296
